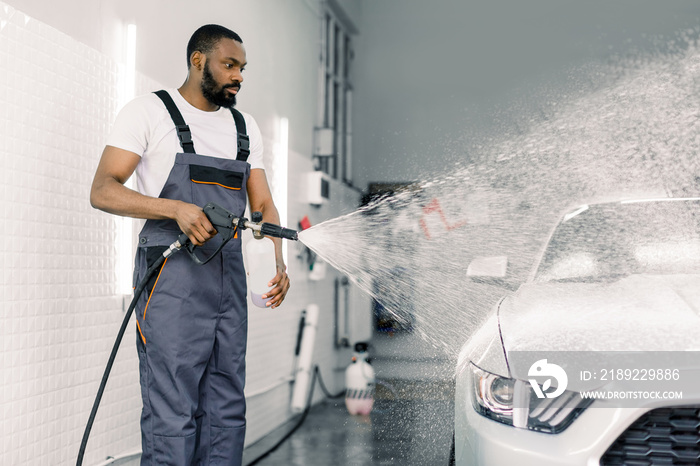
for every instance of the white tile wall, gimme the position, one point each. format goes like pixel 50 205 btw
pixel 58 310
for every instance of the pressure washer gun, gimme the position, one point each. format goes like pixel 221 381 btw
pixel 227 226
pixel 222 218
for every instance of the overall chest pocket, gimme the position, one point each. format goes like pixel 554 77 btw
pixel 201 174
pixel 223 187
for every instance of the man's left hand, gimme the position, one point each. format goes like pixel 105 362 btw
pixel 281 286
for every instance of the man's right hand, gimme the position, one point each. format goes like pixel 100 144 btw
pixel 194 223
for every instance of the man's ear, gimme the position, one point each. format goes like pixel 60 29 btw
pixel 197 60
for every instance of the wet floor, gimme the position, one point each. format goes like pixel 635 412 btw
pixel 411 426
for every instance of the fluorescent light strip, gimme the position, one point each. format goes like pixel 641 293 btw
pixel 124 241
pixel 282 174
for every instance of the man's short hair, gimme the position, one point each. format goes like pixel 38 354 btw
pixel 206 37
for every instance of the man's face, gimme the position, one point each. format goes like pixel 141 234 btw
pixel 222 73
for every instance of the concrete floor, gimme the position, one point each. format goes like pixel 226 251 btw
pixel 410 426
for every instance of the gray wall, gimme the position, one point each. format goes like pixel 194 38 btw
pixel 430 75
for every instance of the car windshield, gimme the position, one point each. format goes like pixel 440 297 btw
pixel 606 242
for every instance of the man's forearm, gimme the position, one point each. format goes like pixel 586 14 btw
pixel 271 215
pixel 113 197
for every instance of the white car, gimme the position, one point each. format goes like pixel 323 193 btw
pixel 595 359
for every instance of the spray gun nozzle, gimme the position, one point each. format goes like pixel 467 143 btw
pixel 270 229
pixel 261 230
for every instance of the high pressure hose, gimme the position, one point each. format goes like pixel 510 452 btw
pixel 182 240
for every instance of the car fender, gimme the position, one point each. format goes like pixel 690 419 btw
pixel 485 348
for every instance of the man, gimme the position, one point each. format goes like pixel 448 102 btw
pixel 192 322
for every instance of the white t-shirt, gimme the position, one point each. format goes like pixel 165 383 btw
pixel 145 127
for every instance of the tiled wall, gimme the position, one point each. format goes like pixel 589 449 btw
pixel 59 312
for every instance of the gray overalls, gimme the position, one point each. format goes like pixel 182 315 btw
pixel 192 321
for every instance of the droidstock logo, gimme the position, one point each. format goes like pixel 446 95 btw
pixel 544 370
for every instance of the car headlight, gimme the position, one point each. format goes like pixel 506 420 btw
pixel 513 402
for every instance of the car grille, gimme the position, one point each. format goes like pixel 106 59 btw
pixel 662 436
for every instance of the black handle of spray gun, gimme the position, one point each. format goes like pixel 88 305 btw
pixel 226 225
pixel 224 221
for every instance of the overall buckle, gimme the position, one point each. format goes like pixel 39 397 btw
pixel 184 134
pixel 243 146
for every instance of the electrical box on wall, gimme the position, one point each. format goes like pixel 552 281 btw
pixel 323 142
pixel 319 188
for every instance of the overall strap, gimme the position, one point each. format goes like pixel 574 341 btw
pixel 183 131
pixel 243 139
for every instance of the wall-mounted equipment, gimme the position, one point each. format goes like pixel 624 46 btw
pixel 319 188
pixel 324 149
pixel 324 142
pixel 305 352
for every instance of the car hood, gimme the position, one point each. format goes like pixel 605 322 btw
pixel 637 313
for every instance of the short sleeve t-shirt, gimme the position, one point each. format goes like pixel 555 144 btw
pixel 145 128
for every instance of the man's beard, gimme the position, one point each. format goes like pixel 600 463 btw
pixel 220 97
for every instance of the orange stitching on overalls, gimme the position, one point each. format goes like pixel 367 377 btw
pixel 140 332
pixel 218 184
pixel 154 289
